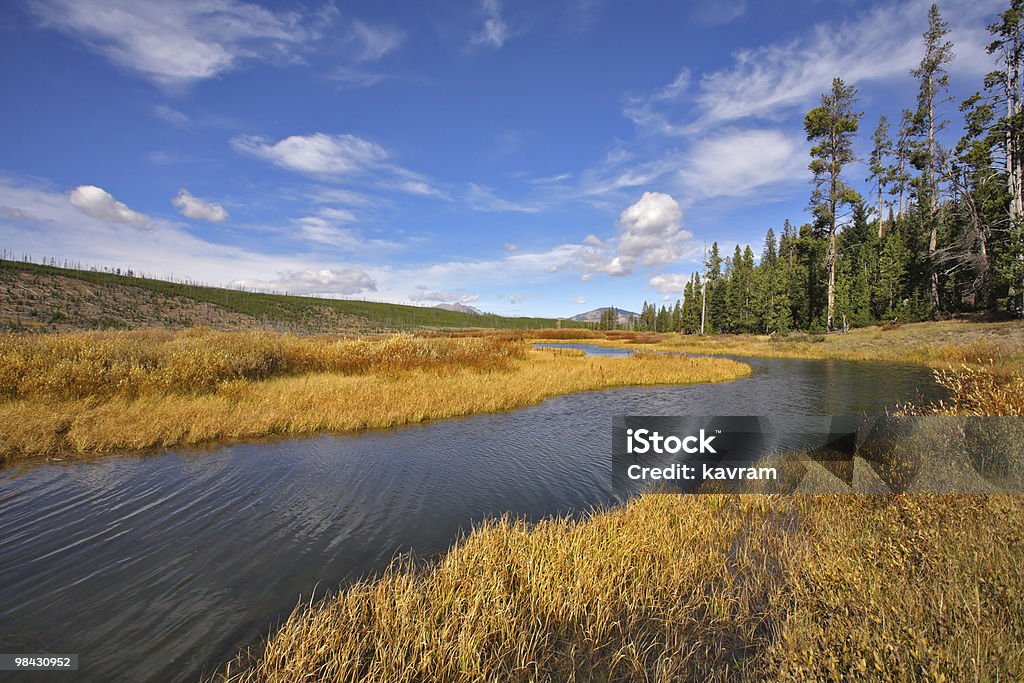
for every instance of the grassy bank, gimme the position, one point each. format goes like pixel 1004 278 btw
pixel 701 587
pixel 689 588
pixel 935 344
pixel 99 392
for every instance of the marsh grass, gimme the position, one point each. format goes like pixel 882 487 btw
pixel 935 344
pixel 129 364
pixel 669 588
pixel 700 587
pixel 978 390
pixel 97 393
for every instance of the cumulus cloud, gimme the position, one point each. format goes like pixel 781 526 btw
pixel 580 300
pixel 173 43
pixel 494 32
pixel 669 282
pixel 316 154
pixel 98 203
pixel 191 206
pixel 651 230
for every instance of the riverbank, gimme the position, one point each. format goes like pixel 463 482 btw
pixel 937 345
pixel 689 588
pixel 750 588
pixel 79 394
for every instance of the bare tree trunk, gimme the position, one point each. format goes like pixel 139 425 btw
pixel 933 199
pixel 831 281
pixel 903 167
pixel 881 225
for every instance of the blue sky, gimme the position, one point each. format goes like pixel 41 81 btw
pixel 527 158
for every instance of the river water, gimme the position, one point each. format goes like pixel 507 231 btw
pixel 160 567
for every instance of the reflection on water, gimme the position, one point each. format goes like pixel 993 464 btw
pixel 158 567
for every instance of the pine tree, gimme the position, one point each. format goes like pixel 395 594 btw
pixel 934 81
pixel 880 172
pixel 831 127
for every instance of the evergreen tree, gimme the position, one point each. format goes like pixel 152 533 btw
pixel 880 172
pixel 934 80
pixel 831 127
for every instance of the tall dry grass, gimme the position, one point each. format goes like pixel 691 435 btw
pixel 129 364
pixel 935 344
pixel 80 394
pixel 674 588
pixel 975 391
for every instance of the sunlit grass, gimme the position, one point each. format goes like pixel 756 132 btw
pixel 708 587
pixel 935 344
pixel 699 587
pixel 97 393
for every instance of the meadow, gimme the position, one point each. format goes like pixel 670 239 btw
pixel 699 587
pixel 70 395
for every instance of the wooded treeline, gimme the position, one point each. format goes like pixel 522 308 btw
pixel 940 230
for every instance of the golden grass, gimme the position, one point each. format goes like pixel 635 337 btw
pixel 366 384
pixel 976 391
pixel 105 364
pixel 669 588
pixel 935 344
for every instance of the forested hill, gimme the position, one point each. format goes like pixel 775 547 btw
pixel 938 228
pixel 36 297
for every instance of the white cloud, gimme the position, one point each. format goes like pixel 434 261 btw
pixel 766 82
pixel 328 281
pixel 175 43
pixel 495 31
pixel 580 300
pixel 718 12
pixel 98 203
pixel 509 246
pixel 587 277
pixel 170 115
pixel 316 154
pixel 651 231
pixel 328 227
pixel 420 188
pixel 670 282
pixel 425 294
pixel 192 207
pixel 516 298
pixel 36 220
pixel 375 41
pixel 480 198
pixel 721 165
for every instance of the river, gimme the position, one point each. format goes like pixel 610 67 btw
pixel 160 567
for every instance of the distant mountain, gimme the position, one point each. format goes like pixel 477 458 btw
pixel 594 316
pixel 460 308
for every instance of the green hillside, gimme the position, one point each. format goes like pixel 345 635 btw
pixel 34 296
